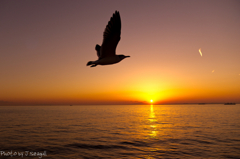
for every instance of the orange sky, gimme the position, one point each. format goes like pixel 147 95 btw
pixel 45 46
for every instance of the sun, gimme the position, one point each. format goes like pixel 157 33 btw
pixel 151 101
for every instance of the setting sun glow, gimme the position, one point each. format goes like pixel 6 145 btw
pixel 48 66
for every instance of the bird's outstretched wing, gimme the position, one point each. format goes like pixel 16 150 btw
pixel 111 36
pixel 98 48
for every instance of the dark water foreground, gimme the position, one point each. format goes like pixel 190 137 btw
pixel 158 131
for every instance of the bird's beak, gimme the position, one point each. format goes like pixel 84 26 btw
pixel 127 56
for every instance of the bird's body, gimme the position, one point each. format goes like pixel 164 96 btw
pixel 111 36
pixel 106 61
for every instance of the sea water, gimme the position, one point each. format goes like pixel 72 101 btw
pixel 120 131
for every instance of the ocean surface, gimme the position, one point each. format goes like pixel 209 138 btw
pixel 120 131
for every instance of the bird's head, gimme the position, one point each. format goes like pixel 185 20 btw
pixel 122 56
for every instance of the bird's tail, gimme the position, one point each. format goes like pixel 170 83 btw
pixel 89 63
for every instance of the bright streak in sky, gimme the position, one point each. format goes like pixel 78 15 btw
pixel 200 51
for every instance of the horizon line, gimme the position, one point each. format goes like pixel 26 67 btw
pixel 117 104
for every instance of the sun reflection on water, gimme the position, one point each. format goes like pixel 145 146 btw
pixel 153 125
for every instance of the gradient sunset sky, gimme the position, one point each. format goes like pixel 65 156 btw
pixel 45 45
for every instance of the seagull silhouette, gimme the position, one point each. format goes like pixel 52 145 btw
pixel 111 36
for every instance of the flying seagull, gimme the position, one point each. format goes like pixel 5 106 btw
pixel 111 36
